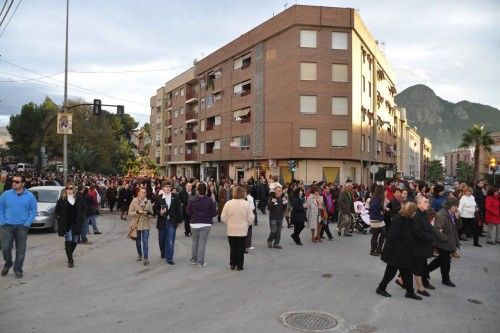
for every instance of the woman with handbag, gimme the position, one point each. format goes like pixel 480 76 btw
pixel 377 222
pixel 70 214
pixel 446 226
pixel 140 210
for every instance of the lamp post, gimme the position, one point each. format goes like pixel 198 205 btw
pixel 65 103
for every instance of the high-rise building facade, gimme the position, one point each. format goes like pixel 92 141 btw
pixel 310 84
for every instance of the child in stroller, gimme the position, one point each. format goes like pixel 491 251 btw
pixel 361 217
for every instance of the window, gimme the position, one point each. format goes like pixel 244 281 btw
pixel 176 131
pixel 202 103
pixel 243 62
pixel 307 138
pixel 217 97
pixel 209 147
pixel 175 151
pixel 307 38
pixel 339 73
pixel 243 88
pixel 379 146
pixel 363 83
pixel 363 139
pixel 210 123
pixel 217 120
pixel 210 101
pixel 218 73
pixel 181 150
pixel 308 104
pixel 217 144
pixel 182 110
pixel 242 142
pixel 202 125
pixel 242 116
pixel 368 144
pixel 175 113
pixel 369 89
pixel 340 106
pixel 339 41
pixel 182 91
pixel 339 138
pixel 369 65
pixel 182 130
pixel 202 148
pixel 308 71
pixel 176 93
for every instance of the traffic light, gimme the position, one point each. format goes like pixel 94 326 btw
pixel 493 164
pixel 292 165
pixel 120 110
pixel 96 108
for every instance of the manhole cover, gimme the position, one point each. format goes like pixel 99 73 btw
pixel 310 321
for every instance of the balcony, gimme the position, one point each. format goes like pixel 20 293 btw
pixel 168 122
pixel 191 157
pixel 158 142
pixel 191 136
pixel 169 139
pixel 191 116
pixel 169 157
pixel 191 96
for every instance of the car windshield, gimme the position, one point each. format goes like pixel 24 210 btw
pixel 46 195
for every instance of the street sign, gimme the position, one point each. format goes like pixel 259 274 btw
pixel 374 168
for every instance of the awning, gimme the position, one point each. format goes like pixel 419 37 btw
pixel 241 113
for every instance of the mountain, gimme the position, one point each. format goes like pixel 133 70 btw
pixel 441 121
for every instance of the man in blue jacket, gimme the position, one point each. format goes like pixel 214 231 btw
pixel 18 209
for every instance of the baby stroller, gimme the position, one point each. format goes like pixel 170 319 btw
pixel 361 218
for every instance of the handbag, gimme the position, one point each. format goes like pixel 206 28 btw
pixel 455 254
pixel 132 233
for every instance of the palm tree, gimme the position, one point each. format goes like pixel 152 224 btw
pixel 481 140
pixel 82 157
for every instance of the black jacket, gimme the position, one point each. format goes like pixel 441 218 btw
pixel 480 198
pixel 184 197
pixel 298 214
pixel 125 197
pixel 422 235
pixel 397 249
pixel 276 211
pixel 61 210
pixel 394 206
pixel 174 212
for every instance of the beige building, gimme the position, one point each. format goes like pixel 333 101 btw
pixel 310 84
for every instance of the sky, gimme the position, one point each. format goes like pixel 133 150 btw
pixel 122 51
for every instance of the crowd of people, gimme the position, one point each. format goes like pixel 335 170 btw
pixel 409 222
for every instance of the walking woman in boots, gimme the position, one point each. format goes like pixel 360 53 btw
pixel 70 213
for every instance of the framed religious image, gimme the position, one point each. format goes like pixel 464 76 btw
pixel 64 123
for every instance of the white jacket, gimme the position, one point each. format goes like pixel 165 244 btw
pixel 467 206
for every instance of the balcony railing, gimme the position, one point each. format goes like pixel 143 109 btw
pixel 168 122
pixel 191 136
pixel 191 157
pixel 191 115
pixel 190 94
pixel 210 127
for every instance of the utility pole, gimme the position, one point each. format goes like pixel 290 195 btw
pixel 65 103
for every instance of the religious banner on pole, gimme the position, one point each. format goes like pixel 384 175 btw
pixel 64 123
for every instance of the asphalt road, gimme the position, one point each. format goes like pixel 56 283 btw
pixel 109 291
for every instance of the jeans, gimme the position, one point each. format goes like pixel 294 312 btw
pixel 8 234
pixel 378 238
pixel 493 234
pixel 93 222
pixel 248 240
pixel 344 222
pixel 443 261
pixel 142 237
pixel 69 236
pixel 85 230
pixel 237 253
pixel 166 240
pixel 200 236
pixel 275 233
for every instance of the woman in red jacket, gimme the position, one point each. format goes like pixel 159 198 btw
pixel 492 216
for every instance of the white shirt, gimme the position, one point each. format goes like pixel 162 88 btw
pixel 167 198
pixel 71 199
pixel 467 206
pixel 250 201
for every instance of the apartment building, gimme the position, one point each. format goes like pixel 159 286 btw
pixel 310 84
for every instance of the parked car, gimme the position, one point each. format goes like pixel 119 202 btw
pixel 24 167
pixel 47 197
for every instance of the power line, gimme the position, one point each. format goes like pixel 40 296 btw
pixel 3 7
pixel 14 13
pixel 7 12
pixel 73 85
pixel 29 79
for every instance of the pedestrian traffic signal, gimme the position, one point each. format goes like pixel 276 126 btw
pixel 120 110
pixel 96 108
pixel 292 165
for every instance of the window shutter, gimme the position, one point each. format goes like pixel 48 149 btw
pixel 307 38
pixel 308 71
pixel 339 138
pixel 339 41
pixel 340 106
pixel 308 104
pixel 307 138
pixel 339 73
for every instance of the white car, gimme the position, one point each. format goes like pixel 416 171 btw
pixel 47 197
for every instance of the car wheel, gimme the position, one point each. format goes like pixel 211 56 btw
pixel 54 227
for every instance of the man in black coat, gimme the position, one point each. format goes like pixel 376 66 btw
pixel 480 202
pixel 168 208
pixel 186 194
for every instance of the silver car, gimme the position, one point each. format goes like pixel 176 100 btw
pixel 47 197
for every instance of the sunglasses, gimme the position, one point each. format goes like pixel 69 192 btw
pixel 16 181
pixel 69 188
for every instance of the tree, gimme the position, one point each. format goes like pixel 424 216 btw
pixel 82 157
pixel 465 172
pixel 436 171
pixel 478 137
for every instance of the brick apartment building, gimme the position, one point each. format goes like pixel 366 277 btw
pixel 309 84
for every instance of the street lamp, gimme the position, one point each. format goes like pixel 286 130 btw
pixel 65 103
